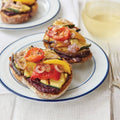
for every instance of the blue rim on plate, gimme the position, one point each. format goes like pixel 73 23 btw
pixel 64 99
pixel 31 26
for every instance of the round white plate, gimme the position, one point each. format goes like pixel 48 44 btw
pixel 86 76
pixel 47 10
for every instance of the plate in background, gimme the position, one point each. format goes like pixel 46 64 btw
pixel 47 10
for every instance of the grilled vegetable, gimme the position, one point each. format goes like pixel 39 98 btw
pixel 64 64
pixel 34 54
pixel 14 10
pixel 70 26
pixel 53 83
pixel 59 34
pixel 59 83
pixel 28 2
pixel 84 47
pixel 42 72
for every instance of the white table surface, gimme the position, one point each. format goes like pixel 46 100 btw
pixel 95 105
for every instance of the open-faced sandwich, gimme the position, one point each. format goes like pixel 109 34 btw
pixel 64 38
pixel 43 71
pixel 17 11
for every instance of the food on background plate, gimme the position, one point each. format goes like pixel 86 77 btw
pixel 64 38
pixel 43 71
pixel 18 11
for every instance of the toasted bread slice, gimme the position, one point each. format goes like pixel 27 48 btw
pixel 40 89
pixel 19 18
pixel 80 57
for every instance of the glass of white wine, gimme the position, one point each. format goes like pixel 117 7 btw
pixel 102 18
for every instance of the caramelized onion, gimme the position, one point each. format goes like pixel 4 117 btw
pixel 59 68
pixel 21 63
pixel 40 69
pixel 21 54
pixel 19 59
pixel 73 48
pixel 72 35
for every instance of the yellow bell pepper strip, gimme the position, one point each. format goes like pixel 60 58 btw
pixel 28 2
pixel 78 36
pixel 64 64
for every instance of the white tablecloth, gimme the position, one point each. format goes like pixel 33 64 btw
pixel 95 105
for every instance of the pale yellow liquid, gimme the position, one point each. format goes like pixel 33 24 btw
pixel 102 19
